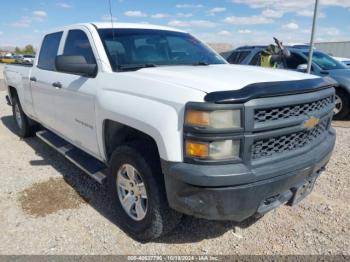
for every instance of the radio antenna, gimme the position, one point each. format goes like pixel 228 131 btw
pixel 111 15
pixel 112 23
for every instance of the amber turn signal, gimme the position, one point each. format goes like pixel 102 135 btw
pixel 198 150
pixel 197 118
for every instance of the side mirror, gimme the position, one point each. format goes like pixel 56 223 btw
pixel 75 65
pixel 302 68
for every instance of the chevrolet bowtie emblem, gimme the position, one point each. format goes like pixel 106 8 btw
pixel 311 122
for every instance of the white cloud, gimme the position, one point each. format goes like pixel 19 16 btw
pixel 40 14
pixel 330 31
pixel 291 5
pixel 159 16
pixel 23 22
pixel 216 10
pixel 193 23
pixel 135 14
pixel 63 5
pixel 272 13
pixel 189 6
pixel 291 26
pixel 310 13
pixel 248 20
pixel 225 33
pixel 184 15
pixel 107 18
pixel 244 31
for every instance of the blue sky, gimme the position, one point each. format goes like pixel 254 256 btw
pixel 235 22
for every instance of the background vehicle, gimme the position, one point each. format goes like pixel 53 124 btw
pixel 170 126
pixel 8 59
pixel 344 60
pixel 28 59
pixel 25 59
pixel 323 65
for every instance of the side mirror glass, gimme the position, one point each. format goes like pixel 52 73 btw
pixel 302 68
pixel 75 65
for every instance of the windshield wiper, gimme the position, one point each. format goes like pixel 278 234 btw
pixel 200 63
pixel 135 66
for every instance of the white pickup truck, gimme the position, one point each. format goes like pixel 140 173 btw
pixel 170 126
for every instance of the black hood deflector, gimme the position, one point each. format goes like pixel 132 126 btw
pixel 270 89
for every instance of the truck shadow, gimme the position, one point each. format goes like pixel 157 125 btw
pixel 188 231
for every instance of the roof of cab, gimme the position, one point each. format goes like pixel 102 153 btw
pixel 134 26
pixel 101 25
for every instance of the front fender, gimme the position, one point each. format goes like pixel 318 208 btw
pixel 163 122
pixel 344 83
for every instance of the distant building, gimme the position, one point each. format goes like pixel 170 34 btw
pixel 339 49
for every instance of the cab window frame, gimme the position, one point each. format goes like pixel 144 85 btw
pixel 42 49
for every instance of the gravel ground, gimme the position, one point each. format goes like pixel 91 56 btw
pixel 2 87
pixel 48 206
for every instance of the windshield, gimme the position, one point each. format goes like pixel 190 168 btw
pixel 325 61
pixel 136 48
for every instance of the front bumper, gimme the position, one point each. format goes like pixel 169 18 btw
pixel 236 192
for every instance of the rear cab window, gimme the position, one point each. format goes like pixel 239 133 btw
pixel 49 50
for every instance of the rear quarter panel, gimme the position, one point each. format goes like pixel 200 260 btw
pixel 17 76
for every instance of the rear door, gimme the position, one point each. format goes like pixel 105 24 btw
pixel 41 79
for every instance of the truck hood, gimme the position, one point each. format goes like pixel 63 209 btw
pixel 218 77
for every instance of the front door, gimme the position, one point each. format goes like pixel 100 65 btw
pixel 75 99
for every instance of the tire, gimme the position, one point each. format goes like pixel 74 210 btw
pixel 23 123
pixel 342 109
pixel 158 218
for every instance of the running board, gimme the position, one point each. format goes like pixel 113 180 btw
pixel 90 165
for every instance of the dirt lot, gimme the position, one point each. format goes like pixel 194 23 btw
pixel 1 77
pixel 48 206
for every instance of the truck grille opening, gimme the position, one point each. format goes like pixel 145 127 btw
pixel 285 112
pixel 276 145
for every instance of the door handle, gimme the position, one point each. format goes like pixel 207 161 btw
pixel 33 79
pixel 57 84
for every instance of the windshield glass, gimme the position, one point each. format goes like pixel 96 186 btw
pixel 137 48
pixel 325 61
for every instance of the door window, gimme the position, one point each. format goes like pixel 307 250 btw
pixel 77 44
pixel 256 59
pixel 48 52
pixel 294 60
pixel 238 57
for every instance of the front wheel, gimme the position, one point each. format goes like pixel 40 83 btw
pixel 138 193
pixel 342 104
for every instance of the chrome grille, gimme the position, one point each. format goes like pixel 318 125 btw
pixel 286 112
pixel 289 142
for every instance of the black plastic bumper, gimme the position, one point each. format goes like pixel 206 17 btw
pixel 235 192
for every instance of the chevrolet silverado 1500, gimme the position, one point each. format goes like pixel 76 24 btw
pixel 170 126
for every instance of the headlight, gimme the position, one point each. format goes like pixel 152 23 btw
pixel 217 150
pixel 218 119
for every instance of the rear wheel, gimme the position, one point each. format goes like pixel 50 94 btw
pixel 342 104
pixel 23 123
pixel 138 193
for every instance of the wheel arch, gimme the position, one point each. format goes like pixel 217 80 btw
pixel 116 134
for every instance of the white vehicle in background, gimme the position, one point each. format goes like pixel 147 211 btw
pixel 170 126
pixel 345 61
pixel 28 59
